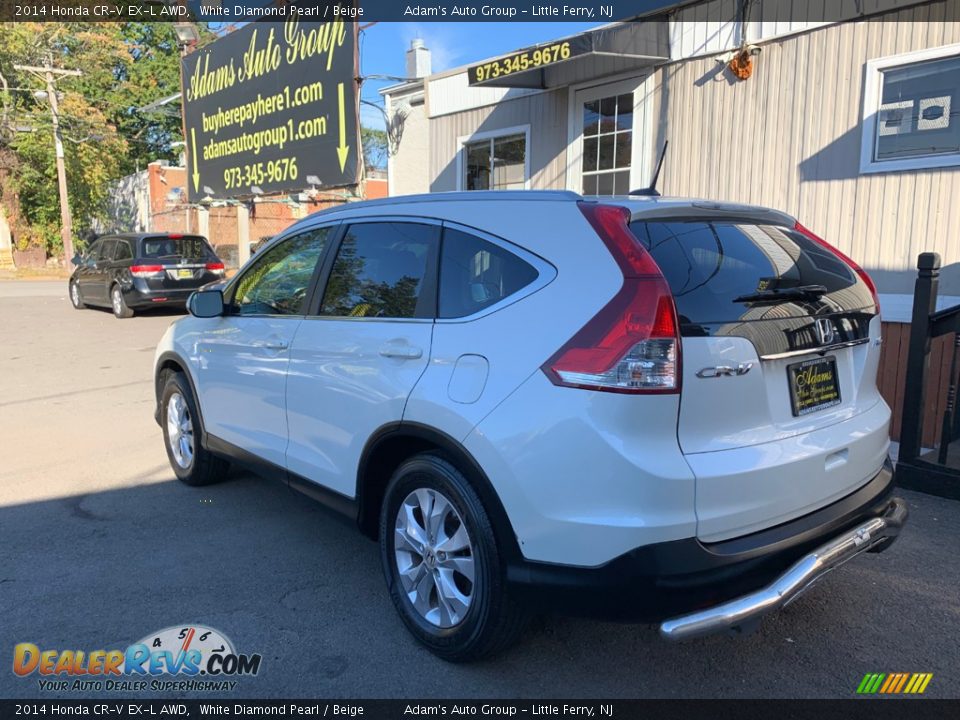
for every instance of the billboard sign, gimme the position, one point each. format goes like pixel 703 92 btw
pixel 272 107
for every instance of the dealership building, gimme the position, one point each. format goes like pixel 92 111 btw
pixel 849 122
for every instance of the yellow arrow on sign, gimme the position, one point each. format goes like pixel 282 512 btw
pixel 193 154
pixel 343 150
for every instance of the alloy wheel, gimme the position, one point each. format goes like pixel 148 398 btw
pixel 180 430
pixel 435 557
pixel 117 301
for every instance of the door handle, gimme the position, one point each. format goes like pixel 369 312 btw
pixel 402 351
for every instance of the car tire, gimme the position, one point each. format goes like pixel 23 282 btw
pixel 457 619
pixel 191 462
pixel 119 305
pixel 75 298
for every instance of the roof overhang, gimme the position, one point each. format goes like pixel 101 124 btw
pixel 622 47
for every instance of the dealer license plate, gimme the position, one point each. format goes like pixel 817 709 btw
pixel 813 385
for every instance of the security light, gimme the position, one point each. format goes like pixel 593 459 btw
pixel 186 32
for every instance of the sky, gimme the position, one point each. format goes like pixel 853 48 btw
pixel 384 45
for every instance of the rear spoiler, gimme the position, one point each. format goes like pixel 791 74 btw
pixel 708 210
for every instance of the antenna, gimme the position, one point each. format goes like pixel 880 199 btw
pixel 652 190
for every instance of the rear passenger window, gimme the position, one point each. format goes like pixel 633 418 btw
pixel 475 274
pixel 381 271
pixel 123 251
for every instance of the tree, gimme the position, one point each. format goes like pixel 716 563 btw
pixel 375 147
pixel 125 66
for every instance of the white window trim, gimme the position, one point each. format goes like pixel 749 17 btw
pixel 643 136
pixel 463 140
pixel 873 92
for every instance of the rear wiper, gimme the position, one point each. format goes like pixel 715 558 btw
pixel 801 292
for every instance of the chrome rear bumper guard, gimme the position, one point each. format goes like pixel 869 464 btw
pixel 744 612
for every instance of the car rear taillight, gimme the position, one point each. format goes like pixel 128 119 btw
pixel 633 344
pixel 215 267
pixel 867 280
pixel 144 271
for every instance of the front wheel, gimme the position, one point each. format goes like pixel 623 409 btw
pixel 75 298
pixel 191 462
pixel 442 562
pixel 118 304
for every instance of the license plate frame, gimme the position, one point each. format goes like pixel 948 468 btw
pixel 816 390
pixel 184 274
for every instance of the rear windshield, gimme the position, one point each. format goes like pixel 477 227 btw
pixel 162 246
pixel 716 269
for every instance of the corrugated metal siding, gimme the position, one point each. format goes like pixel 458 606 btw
pixel 715 26
pixel 453 93
pixel 789 137
pixel 545 112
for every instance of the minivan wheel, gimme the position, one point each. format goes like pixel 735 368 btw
pixel 118 304
pixel 191 462
pixel 75 298
pixel 442 562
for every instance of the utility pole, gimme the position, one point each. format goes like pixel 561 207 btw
pixel 49 74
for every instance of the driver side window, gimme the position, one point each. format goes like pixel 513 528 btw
pixel 277 282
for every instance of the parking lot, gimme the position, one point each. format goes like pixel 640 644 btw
pixel 101 545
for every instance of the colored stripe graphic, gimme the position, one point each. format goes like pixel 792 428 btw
pixel 894 683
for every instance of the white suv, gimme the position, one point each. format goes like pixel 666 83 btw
pixel 645 408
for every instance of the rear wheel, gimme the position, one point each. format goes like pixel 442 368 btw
pixel 75 298
pixel 118 304
pixel 442 562
pixel 191 462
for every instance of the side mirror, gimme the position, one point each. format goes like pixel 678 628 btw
pixel 77 259
pixel 206 304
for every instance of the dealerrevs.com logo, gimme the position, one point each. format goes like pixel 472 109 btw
pixel 200 658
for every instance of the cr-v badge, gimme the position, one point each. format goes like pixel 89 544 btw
pixel 725 370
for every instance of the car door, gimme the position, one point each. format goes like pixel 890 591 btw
pixel 242 357
pixel 354 362
pixel 94 284
pixel 85 269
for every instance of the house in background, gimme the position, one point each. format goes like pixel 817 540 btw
pixel 408 134
pixel 846 115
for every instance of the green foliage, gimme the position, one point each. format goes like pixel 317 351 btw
pixel 375 147
pixel 124 66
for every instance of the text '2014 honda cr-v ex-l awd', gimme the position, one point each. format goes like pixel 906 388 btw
pixel 641 408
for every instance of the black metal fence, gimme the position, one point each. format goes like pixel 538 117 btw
pixel 933 470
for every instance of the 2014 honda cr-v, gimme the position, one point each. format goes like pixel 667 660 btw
pixel 645 408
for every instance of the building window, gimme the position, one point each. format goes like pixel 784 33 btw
pixel 912 111
pixel 495 163
pixel 607 145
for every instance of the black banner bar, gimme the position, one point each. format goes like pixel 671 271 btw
pixel 874 709
pixel 366 11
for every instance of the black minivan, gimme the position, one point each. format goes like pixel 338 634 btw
pixel 131 271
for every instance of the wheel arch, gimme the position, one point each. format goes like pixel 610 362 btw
pixel 167 362
pixel 391 445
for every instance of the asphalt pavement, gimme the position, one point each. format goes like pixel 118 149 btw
pixel 100 546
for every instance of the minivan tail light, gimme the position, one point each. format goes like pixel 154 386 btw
pixel 215 267
pixel 633 344
pixel 861 273
pixel 143 271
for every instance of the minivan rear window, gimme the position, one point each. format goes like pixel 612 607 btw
pixel 714 268
pixel 162 246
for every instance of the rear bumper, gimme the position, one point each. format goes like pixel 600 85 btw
pixel 744 611
pixel 665 581
pixel 138 295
